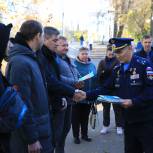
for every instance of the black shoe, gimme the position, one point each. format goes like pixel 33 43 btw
pixel 87 139
pixel 76 140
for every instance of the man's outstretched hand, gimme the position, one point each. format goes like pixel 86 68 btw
pixel 126 103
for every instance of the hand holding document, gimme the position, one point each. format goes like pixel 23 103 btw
pixel 88 76
pixel 79 84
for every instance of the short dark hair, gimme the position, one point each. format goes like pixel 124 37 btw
pixel 109 47
pixel 30 28
pixel 83 48
pixel 146 37
pixel 49 31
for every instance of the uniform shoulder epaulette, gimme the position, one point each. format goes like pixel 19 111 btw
pixel 141 60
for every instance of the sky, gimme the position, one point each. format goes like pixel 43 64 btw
pixel 70 12
pixel 75 11
pixel 82 14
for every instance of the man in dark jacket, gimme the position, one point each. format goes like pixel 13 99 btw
pixel 146 51
pixel 4 37
pixel 24 73
pixel 104 71
pixel 56 89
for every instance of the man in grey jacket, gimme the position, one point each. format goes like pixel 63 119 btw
pixel 70 76
pixel 24 73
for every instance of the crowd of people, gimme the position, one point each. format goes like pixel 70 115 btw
pixel 48 82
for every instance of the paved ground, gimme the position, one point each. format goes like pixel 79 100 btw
pixel 109 143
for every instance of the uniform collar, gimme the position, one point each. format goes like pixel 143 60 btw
pixel 131 63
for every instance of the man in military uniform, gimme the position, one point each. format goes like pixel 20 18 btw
pixel 132 80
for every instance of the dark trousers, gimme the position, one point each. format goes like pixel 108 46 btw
pixel 18 145
pixel 80 116
pixel 117 112
pixel 4 143
pixel 61 127
pixel 139 138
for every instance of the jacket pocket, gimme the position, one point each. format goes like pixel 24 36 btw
pixel 43 125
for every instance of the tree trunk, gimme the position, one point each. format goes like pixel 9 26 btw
pixel 151 19
pixel 115 25
pixel 120 10
pixel 120 31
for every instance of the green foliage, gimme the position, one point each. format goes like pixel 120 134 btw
pixel 9 10
pixel 133 17
pixel 77 34
pixel 138 23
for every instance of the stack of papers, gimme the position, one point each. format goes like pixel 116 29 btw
pixel 109 99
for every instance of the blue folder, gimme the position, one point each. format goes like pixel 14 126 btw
pixel 109 99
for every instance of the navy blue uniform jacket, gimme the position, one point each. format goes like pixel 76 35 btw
pixel 136 83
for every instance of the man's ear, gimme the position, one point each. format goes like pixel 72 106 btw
pixel 130 47
pixel 38 36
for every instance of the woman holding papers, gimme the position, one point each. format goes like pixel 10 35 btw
pixel 104 71
pixel 80 112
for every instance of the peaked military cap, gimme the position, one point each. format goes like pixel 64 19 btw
pixel 120 43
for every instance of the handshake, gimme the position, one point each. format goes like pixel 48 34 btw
pixel 79 95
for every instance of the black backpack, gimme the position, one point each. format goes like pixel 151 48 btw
pixel 13 110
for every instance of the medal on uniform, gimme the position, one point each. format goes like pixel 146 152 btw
pixel 130 69
pixel 117 79
pixel 134 75
pixel 118 73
